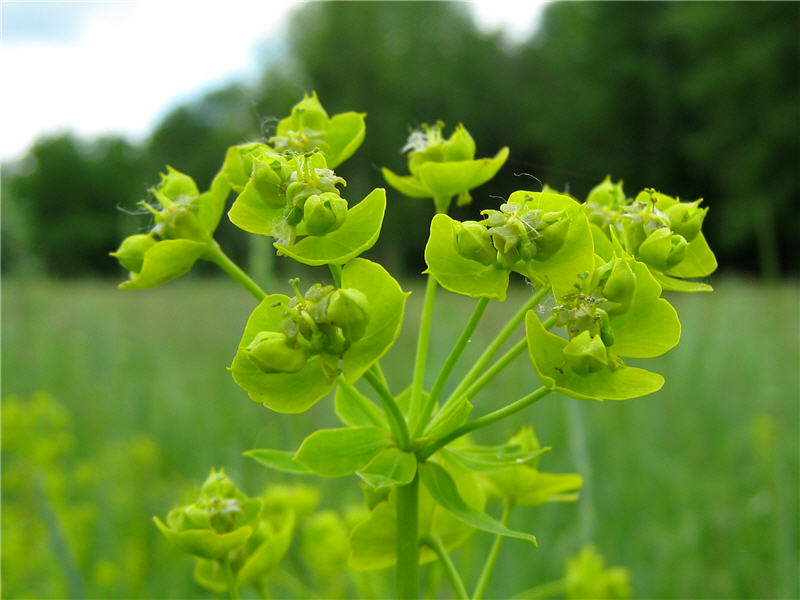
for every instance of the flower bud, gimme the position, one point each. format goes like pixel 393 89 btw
pixel 607 193
pixel 219 484
pixel 131 252
pixel 586 354
pixel 686 219
pixel 472 242
pixel 460 146
pixel 271 353
pixel 322 213
pixel 348 309
pixel 663 249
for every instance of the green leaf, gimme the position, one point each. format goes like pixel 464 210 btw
pixel 238 165
pixel 456 273
pixel 602 245
pixel 575 256
pixel 165 260
pixel 349 409
pixel 175 184
pixel 650 327
pixel 211 204
pixel 408 185
pixel 525 486
pixel 448 179
pixel 209 574
pixel 449 418
pixel 547 354
pixel 358 233
pixel 278 460
pixel 340 452
pixel 441 486
pixel 282 392
pixel 488 459
pixel 698 262
pixel 252 214
pixel 345 133
pixel 386 301
pixel 203 542
pixel 390 467
pixel 269 553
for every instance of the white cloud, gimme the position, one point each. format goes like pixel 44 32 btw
pixel 127 66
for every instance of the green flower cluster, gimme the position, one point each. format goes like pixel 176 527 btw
pixel 236 540
pixel 443 168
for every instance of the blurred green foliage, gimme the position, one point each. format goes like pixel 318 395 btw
pixel 693 489
pixel 702 99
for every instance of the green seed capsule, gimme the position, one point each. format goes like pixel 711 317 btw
pixel 348 309
pixel 586 354
pixel 271 353
pixel 472 242
pixel 324 213
pixel 663 249
pixel 131 252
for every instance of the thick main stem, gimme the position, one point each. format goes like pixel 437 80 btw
pixel 491 560
pixel 407 540
pixel 219 258
pixel 447 368
pixel 422 347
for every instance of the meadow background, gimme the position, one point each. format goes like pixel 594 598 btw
pixel 116 404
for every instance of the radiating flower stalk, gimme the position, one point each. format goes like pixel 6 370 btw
pixel 601 264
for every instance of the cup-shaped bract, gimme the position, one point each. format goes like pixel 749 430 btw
pixel 221 520
pixel 443 168
pixel 588 364
pixel 185 221
pixel 543 236
pixel 345 331
pixel 309 128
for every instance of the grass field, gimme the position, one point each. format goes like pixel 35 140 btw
pixel 694 489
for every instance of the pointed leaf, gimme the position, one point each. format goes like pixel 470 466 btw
pixel 279 460
pixel 211 204
pixel 282 392
pixel 390 467
pixel 449 418
pixel 358 234
pixel 165 260
pixel 525 486
pixel 456 273
pixel 671 284
pixel 350 410
pixel 494 458
pixel 269 554
pixel 340 452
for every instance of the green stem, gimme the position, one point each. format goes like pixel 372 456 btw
pixel 435 544
pixel 396 420
pixel 498 366
pixel 551 588
pixel 484 421
pixel 336 273
pixel 219 258
pixel 233 591
pixel 492 349
pixel 448 366
pixel 407 542
pixel 422 348
pixel 376 368
pixel 373 412
pixel 491 560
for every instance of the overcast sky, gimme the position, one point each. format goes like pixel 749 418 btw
pixel 97 67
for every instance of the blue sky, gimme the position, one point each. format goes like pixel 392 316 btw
pixel 97 67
